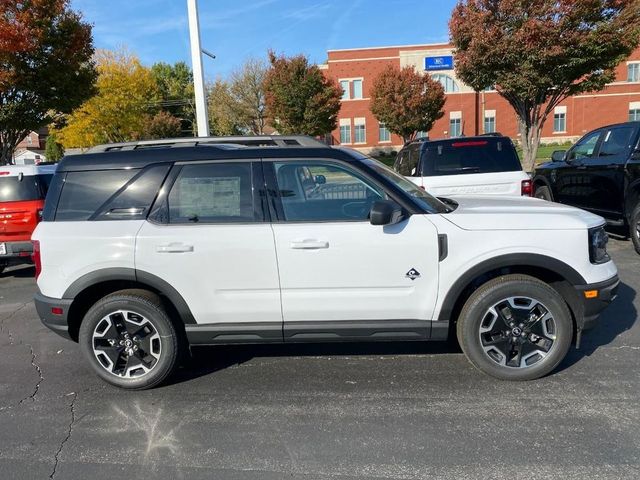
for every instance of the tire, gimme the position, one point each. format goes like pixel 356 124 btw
pixel 544 193
pixel 145 348
pixel 634 228
pixel 2 267
pixel 488 337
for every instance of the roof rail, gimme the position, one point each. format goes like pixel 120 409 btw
pixel 247 141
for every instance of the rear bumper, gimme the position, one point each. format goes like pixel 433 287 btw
pixel 606 293
pixel 17 252
pixel 55 322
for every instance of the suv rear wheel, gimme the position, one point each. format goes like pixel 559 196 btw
pixel 129 340
pixel 544 193
pixel 634 227
pixel 515 327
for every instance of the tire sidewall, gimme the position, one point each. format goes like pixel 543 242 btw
pixel 160 321
pixel 476 308
pixel 633 232
pixel 544 194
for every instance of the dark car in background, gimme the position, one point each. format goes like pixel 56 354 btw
pixel 600 173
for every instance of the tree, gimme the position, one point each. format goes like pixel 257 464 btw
pixel 53 150
pixel 406 101
pixel 223 114
pixel 127 93
pixel 299 98
pixel 537 53
pixel 175 83
pixel 247 90
pixel 160 125
pixel 45 66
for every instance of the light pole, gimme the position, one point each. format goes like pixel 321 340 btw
pixel 202 117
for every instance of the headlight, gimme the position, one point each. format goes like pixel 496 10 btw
pixel 598 240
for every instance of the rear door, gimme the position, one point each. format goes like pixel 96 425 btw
pixel 210 239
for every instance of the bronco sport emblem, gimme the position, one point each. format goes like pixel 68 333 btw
pixel 413 274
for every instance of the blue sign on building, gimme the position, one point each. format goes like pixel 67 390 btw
pixel 438 63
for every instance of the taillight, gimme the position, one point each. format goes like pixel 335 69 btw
pixel 526 188
pixel 35 256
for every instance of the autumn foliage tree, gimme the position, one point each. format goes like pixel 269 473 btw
pixel 45 66
pixel 160 125
pixel 127 94
pixel 247 91
pixel 406 101
pixel 538 52
pixel 299 98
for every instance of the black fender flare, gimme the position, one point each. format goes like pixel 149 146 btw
pixel 567 272
pixel 132 275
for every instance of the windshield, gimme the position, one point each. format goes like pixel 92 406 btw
pixel 27 187
pixel 421 197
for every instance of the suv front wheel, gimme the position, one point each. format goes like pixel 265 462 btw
pixel 129 340
pixel 515 327
pixel 634 227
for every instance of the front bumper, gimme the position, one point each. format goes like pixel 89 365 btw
pixel 17 252
pixel 56 322
pixel 595 297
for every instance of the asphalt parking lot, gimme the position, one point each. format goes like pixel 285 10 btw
pixel 400 411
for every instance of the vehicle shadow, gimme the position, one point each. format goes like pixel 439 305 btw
pixel 22 271
pixel 614 320
pixel 208 360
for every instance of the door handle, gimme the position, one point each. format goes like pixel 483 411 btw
pixel 613 166
pixel 309 244
pixel 174 248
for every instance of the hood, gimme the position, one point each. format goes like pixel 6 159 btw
pixel 518 213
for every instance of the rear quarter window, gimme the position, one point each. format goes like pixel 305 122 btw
pixel 470 156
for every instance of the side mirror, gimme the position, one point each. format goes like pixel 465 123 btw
pixel 320 179
pixel 385 212
pixel 558 155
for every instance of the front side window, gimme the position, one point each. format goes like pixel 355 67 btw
pixel 633 72
pixel 585 147
pixel 344 84
pixel 616 141
pixel 455 127
pixel 324 191
pixel 357 89
pixel 213 193
pixel 559 122
pixel 407 162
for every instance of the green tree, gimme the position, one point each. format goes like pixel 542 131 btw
pixel 406 101
pixel 53 150
pixel 45 66
pixel 222 108
pixel 127 93
pixel 538 52
pixel 175 83
pixel 299 98
pixel 247 91
pixel 160 125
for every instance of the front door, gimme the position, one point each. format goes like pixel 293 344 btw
pixel 573 182
pixel 341 277
pixel 212 243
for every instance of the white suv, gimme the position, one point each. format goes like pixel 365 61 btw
pixel 484 165
pixel 146 249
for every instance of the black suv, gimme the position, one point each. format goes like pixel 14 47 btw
pixel 600 173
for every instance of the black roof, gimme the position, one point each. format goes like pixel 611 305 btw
pixel 140 158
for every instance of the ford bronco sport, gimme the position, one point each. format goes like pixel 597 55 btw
pixel 149 247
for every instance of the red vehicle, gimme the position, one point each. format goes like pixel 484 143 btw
pixel 22 192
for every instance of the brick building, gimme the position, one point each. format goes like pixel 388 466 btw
pixel 467 112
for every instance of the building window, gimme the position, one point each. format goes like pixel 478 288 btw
pixel 455 126
pixel 448 83
pixel 360 135
pixel 489 121
pixel 633 72
pixel 421 134
pixel 634 111
pixel 344 84
pixel 357 89
pixel 345 130
pixel 560 120
pixel 384 135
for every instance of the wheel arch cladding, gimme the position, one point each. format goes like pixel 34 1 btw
pixel 89 288
pixel 547 269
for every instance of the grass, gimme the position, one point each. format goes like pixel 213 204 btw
pixel 545 151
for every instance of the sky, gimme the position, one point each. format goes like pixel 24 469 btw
pixel 234 30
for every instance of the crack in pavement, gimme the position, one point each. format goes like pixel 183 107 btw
pixel 32 397
pixel 69 430
pixel 13 314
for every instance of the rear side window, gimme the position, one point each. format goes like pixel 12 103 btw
pixel 84 192
pixel 24 188
pixel 213 193
pixel 470 156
